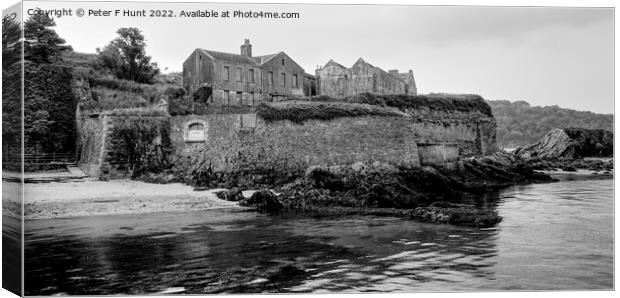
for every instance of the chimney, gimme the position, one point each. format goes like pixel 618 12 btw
pixel 393 72
pixel 246 48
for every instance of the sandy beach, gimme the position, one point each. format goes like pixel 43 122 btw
pixel 90 197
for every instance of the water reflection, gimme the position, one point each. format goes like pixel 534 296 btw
pixel 548 240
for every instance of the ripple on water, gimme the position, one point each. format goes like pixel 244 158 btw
pixel 554 236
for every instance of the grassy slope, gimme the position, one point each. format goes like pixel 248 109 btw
pixel 112 93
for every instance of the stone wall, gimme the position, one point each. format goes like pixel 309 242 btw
pixel 338 81
pixel 431 153
pixel 474 133
pixel 113 146
pixel 239 142
pixel 90 144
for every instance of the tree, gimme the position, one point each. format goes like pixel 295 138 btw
pixel 11 47
pixel 41 43
pixel 126 57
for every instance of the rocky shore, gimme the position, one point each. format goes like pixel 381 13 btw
pixel 427 193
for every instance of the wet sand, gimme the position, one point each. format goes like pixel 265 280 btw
pixel 88 197
pixel 580 174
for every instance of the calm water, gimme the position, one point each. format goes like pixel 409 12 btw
pixel 554 236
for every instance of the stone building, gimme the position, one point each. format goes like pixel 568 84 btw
pixel 243 79
pixel 336 80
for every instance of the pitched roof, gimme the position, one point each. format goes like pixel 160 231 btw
pixel 331 61
pixel 263 59
pixel 236 58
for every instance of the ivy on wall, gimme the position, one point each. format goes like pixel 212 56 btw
pixel 140 144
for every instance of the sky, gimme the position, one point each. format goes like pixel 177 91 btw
pixel 543 55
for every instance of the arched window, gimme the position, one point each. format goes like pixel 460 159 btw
pixel 195 131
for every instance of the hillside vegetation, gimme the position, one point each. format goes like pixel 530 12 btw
pixel 520 124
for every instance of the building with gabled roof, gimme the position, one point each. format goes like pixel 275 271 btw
pixel 242 79
pixel 336 80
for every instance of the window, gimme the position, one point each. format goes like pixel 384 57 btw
pixel 251 99
pixel 282 61
pixel 270 78
pixel 251 76
pixel 282 79
pixel 227 97
pixel 240 98
pixel 295 81
pixel 238 74
pixel 226 73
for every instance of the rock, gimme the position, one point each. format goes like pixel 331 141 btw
pixel 569 169
pixel 234 194
pixel 263 200
pixel 324 177
pixel 359 167
pixel 570 143
pixel 284 272
pixel 456 214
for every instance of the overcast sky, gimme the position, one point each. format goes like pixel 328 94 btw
pixel 546 56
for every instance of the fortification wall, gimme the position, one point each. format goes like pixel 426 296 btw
pixel 474 133
pixel 246 143
pixel 90 144
pixel 437 153
pixel 115 146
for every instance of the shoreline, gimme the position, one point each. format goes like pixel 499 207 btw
pixel 91 198
pixel 67 199
pixel 579 174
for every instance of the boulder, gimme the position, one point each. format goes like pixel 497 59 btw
pixel 234 194
pixel 263 200
pixel 456 214
pixel 570 143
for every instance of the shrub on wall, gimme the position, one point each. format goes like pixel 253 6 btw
pixel 435 101
pixel 300 111
pixel 140 144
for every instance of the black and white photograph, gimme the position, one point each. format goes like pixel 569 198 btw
pixel 199 148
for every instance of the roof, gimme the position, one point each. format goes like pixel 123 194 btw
pixel 362 61
pixel 331 61
pixel 236 58
pixel 263 59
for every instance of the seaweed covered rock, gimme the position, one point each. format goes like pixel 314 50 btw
pixel 284 272
pixel 263 200
pixel 570 143
pixel 234 194
pixel 456 214
pixel 381 186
